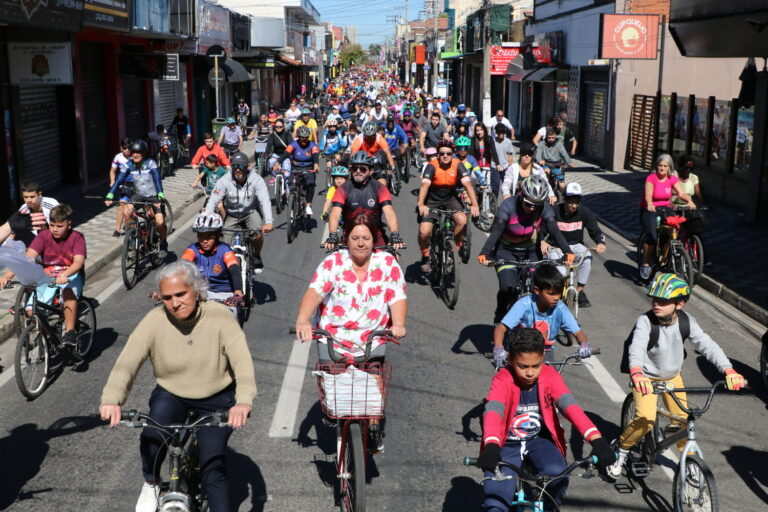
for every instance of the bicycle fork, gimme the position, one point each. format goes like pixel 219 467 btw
pixel 175 499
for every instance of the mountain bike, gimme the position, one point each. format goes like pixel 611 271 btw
pixel 183 491
pixel 487 201
pixel 393 180
pixel 443 258
pixel 141 241
pixel 670 254
pixel 404 165
pixel 280 192
pixel 40 344
pixel 240 241
pixel 180 152
pixel 260 148
pixel 297 205
pixel 531 488
pixel 354 392
pixel 525 270
pixel 694 483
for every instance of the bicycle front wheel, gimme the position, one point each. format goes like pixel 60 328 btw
pixel 396 182
pixel 168 214
pixel 129 265
pixel 293 218
pixel 353 485
pixel 571 300
pixel 680 263
pixel 449 282
pixel 85 327
pixel 31 362
pixel 279 193
pixel 20 319
pixel 695 248
pixel 698 492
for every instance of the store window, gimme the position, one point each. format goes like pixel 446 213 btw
pixel 720 132
pixel 699 128
pixel 680 126
pixel 661 140
pixel 745 127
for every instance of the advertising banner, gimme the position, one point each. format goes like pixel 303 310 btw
pixel 501 57
pixel 40 63
pixel 629 36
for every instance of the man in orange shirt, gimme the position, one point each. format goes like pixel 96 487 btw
pixel 209 147
pixel 374 144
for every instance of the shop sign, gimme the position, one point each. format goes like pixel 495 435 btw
pixel 501 57
pixel 629 36
pixel 64 15
pixel 40 63
pixel 184 47
pixel 172 67
pixel 112 14
pixel 213 27
pixel 547 48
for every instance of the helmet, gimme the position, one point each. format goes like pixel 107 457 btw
pixel 669 286
pixel 339 171
pixel 430 151
pixel 406 113
pixel 230 120
pixel 444 144
pixel 207 223
pixel 527 148
pixel 239 159
pixel 462 108
pixel 303 132
pixel 305 111
pixel 332 122
pixel 535 188
pixel 463 142
pixel 360 158
pixel 573 189
pixel 370 129
pixel 139 146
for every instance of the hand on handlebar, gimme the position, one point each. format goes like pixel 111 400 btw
pixel 238 415
pixel 490 457
pixel 483 260
pixel 641 383
pixel 499 357
pixel 398 331
pixel 474 211
pixel 569 258
pixel 585 350
pixel 603 451
pixel 303 330
pixel 734 380
pixel 234 301
pixel 111 413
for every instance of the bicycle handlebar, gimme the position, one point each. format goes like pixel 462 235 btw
pixel 668 387
pixel 573 357
pixel 338 358
pixel 522 263
pixel 586 461
pixel 136 419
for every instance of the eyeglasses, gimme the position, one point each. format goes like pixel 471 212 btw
pixel 445 153
pixel 238 167
pixel 529 204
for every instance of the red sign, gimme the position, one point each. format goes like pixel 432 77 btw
pixel 629 36
pixel 421 54
pixel 500 58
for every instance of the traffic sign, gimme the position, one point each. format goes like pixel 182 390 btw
pixel 212 78
pixel 215 51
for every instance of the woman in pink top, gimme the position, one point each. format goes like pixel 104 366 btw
pixel 657 194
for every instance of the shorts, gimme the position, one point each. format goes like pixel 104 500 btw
pixel 149 199
pixel 124 193
pixel 450 203
pixel 251 221
pixel 46 292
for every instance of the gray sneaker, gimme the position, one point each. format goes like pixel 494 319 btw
pixel 645 272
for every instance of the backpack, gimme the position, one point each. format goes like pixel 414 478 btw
pixel 683 323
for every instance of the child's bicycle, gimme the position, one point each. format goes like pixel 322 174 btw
pixel 531 488
pixel 40 341
pixel 694 483
pixel 571 360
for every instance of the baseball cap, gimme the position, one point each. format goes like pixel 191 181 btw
pixel 573 189
pixel 462 108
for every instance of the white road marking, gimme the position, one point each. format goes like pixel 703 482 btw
pixel 615 392
pixel 284 420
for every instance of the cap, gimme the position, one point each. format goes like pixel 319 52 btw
pixel 573 189
pixel 462 108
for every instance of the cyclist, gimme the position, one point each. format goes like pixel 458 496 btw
pixel 180 126
pixel 304 158
pixel 332 144
pixel 515 234
pixel 460 119
pixel 147 186
pixel 334 116
pixel 396 138
pixel 306 121
pixel 524 167
pixel 663 362
pixel 272 115
pixel 118 162
pixel 211 172
pixel 552 156
pixel 292 115
pixel 262 128
pixel 31 217
pixel 409 127
pixel 378 115
pixel 505 151
pixel 483 148
pixel 521 423
pixel 242 109
pixel 562 131
pixel 209 147
pixel 441 178
pixel 572 218
pixel 216 261
pixel 432 133
pixel 376 146
pixel 213 372
pixel 277 144
pixel 231 137
pixel 363 195
pixel 349 137
pixel 246 203
pixel 469 161
pixel 339 175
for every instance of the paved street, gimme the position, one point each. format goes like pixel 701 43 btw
pixel 55 455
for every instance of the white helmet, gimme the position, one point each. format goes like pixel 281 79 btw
pixel 535 189
pixel 207 223
pixel 573 189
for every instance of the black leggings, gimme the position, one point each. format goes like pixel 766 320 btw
pixel 508 277
pixel 648 222
pixel 309 178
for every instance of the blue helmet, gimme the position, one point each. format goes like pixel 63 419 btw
pixel 230 120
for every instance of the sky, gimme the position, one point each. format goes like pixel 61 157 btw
pixel 370 16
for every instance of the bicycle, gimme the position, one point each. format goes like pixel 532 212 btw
pixel 280 192
pixel 487 201
pixel 571 360
pixel 393 181
pixel 529 484
pixel 670 254
pixel 695 224
pixel 353 403
pixel 694 483
pixel 260 148
pixel 556 177
pixel 180 151
pixel 183 491
pixel 297 205
pixel 40 341
pixel 570 293
pixel 404 165
pixel 443 257
pixel 526 268
pixel 240 242
pixel 141 241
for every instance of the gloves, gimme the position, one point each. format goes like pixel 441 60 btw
pixel 490 457
pixel 585 350
pixel 499 357
pixel 640 381
pixel 160 196
pixel 110 196
pixel 332 239
pixel 569 258
pixel 734 380
pixel 234 301
pixel 604 453
pixel 324 216
pixel 394 238
pixel 482 259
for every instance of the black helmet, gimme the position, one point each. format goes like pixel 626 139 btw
pixel 303 132
pixel 527 148
pixel 240 159
pixel 360 158
pixel 139 146
pixel 370 129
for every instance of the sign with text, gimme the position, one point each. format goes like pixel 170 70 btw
pixel 111 14
pixel 40 63
pixel 629 36
pixel 501 57
pixel 64 15
pixel 172 67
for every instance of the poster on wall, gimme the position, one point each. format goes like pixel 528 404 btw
pixel 501 57
pixel 40 63
pixel 629 36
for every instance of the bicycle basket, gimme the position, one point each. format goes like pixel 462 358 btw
pixel 697 221
pixel 353 391
pixel 261 147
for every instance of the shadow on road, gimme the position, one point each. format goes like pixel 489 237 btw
pixel 245 479
pixel 481 336
pixel 750 372
pixel 25 448
pixel 750 465
pixel 263 293
pixel 414 275
pixel 623 271
pixel 102 340
pixel 466 423
pixel 464 494
pixel 325 439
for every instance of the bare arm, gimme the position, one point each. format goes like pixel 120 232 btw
pixel 398 312
pixel 682 195
pixel 391 216
pixel 309 304
pixel 648 191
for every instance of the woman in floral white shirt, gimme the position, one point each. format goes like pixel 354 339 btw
pixel 355 292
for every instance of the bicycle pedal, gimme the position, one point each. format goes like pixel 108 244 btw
pixel 640 469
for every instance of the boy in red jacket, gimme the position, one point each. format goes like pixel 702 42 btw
pixel 520 422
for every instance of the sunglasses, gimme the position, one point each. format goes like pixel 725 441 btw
pixel 238 167
pixel 525 153
pixel 530 204
pixel 361 168
pixel 445 153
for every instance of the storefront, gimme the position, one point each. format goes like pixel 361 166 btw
pixel 213 29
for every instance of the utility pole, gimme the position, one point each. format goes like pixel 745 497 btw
pixel 486 62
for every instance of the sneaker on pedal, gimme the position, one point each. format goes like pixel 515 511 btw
pixel 308 211
pixel 464 253
pixel 425 266
pixel 376 433
pixel 645 272
pixel 162 253
pixel 115 234
pixel 258 264
pixel 69 340
pixel 148 498
pixel 614 470
pixel 583 300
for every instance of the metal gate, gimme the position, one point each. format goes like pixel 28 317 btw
pixel 133 102
pixel 642 131
pixel 168 95
pixel 596 95
pixel 39 144
pixel 95 123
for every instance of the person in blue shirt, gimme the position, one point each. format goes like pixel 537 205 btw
pixel 395 137
pixel 543 311
pixel 332 145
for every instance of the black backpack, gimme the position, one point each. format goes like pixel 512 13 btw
pixel 683 322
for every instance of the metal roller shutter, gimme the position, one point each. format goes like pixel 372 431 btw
pixel 93 83
pixel 166 100
pixel 39 120
pixel 133 101
pixel 594 120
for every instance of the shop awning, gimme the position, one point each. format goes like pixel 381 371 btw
pixel 236 72
pixel 458 56
pixel 289 61
pixel 542 75
pixel 520 75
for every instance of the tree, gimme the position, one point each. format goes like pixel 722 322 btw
pixel 374 49
pixel 351 55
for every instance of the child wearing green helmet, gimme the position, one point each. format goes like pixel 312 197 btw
pixel 470 162
pixel 656 354
pixel 339 175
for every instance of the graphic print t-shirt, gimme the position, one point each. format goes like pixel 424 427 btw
pixel 526 423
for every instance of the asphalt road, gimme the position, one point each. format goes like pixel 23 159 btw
pixel 55 454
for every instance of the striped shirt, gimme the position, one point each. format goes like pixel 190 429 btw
pixel 46 204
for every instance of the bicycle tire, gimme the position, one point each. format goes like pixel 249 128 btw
pixel 395 180
pixel 20 320
pixel 245 270
pixel 764 364
pixel 129 263
pixel 680 263
pixel 571 300
pixel 354 462
pixel 292 222
pixel 406 167
pixel 168 216
pixel 695 249
pixel 643 449
pixel 31 353
pixel 85 327
pixel 484 221
pixel 449 278
pixel 279 193
pixel 701 487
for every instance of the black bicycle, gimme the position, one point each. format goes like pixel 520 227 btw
pixel 141 242
pixel 183 491
pixel 670 254
pixel 393 180
pixel 525 270
pixel 297 206
pixel 443 257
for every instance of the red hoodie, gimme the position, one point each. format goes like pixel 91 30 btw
pixel 504 396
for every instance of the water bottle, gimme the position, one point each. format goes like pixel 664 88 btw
pixel 237 239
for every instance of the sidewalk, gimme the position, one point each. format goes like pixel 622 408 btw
pixel 97 222
pixel 734 270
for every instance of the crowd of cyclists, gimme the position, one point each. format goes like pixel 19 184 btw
pixel 348 139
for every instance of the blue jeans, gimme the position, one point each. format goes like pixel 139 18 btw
pixel 546 459
pixel 167 408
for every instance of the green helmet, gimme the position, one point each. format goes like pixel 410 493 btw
pixel 669 286
pixel 339 171
pixel 463 142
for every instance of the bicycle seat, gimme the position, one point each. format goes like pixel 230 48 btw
pixel 675 221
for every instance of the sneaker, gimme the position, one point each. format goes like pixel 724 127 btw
pixel 162 253
pixel 115 234
pixel 614 470
pixel 715 156
pixel 376 434
pixel 308 211
pixel 69 340
pixel 148 498
pixel 257 263
pixel 425 266
pixel 583 300
pixel 645 272
pixel 463 253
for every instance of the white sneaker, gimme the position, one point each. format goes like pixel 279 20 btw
pixel 308 211
pixel 148 498
pixel 645 272
pixel 614 470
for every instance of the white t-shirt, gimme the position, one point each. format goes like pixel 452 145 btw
pixel 46 205
pixel 512 176
pixel 120 161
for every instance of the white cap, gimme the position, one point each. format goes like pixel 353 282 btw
pixel 573 189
